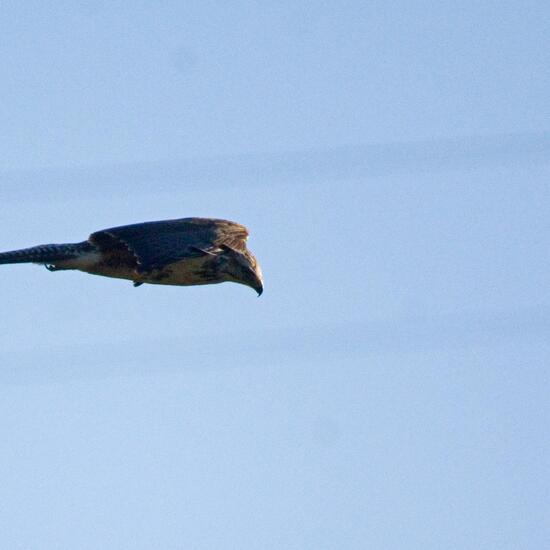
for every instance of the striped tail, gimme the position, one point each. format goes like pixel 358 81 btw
pixel 45 253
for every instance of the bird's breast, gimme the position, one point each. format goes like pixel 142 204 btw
pixel 191 271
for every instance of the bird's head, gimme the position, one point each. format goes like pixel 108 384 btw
pixel 242 267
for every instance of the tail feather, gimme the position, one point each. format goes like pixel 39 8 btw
pixel 44 253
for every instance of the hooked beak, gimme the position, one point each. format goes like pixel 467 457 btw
pixel 257 282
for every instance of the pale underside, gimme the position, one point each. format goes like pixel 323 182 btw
pixel 189 271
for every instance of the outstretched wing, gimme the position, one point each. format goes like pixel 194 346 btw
pixel 157 244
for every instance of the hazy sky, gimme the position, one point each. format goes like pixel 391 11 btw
pixel 389 390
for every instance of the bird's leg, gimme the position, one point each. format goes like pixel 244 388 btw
pixel 52 267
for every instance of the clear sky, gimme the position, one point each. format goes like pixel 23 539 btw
pixel 389 389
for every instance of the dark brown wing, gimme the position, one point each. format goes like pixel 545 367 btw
pixel 157 244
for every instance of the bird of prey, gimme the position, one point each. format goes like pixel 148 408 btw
pixel 186 251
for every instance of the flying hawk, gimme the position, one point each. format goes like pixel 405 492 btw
pixel 187 251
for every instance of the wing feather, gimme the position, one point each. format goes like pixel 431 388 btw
pixel 160 243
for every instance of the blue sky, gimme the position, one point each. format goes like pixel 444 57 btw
pixel 390 388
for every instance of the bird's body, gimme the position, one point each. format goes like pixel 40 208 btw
pixel 186 251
